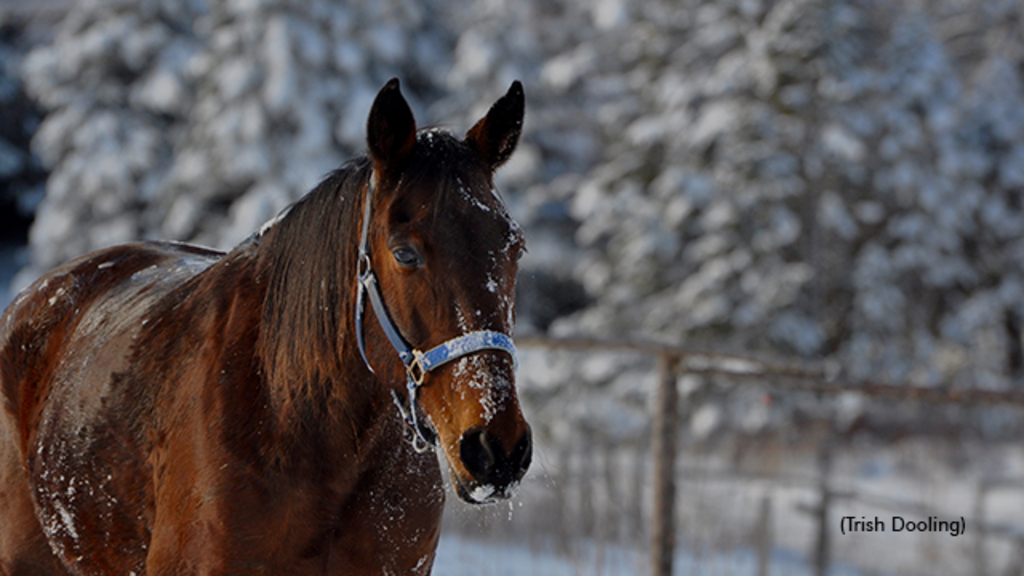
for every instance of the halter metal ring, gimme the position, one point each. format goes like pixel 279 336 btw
pixel 417 373
pixel 363 267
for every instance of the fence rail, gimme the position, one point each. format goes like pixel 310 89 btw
pixel 780 375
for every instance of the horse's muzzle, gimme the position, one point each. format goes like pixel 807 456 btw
pixel 496 473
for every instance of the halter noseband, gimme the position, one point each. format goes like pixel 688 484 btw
pixel 417 364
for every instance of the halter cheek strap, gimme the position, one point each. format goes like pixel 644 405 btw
pixel 417 364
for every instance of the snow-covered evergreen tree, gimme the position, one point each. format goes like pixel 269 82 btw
pixel 826 178
pixel 284 89
pixel 115 87
pixel 195 120
pixel 834 179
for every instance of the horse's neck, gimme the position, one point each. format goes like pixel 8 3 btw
pixel 334 411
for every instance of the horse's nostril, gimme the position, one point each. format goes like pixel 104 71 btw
pixel 478 450
pixel 523 452
pixel 491 467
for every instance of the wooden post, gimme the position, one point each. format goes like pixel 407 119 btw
pixel 821 545
pixel 1016 565
pixel 638 481
pixel 585 483
pixel 561 488
pixel 763 540
pixel 980 565
pixel 612 514
pixel 666 426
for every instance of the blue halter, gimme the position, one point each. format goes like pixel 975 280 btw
pixel 417 364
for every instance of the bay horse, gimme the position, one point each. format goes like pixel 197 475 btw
pixel 170 409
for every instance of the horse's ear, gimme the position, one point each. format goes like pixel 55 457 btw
pixel 391 128
pixel 496 135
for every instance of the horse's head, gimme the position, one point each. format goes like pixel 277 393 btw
pixel 444 251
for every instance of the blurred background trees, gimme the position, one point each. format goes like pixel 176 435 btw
pixel 836 181
pixel 831 179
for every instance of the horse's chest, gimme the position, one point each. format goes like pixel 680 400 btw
pixel 386 522
pixel 391 528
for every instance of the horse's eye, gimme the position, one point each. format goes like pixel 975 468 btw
pixel 407 257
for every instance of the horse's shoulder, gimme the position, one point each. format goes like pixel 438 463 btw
pixel 91 298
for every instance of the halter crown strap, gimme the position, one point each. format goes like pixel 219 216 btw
pixel 364 270
pixel 417 364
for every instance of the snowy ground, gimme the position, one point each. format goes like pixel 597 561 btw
pixel 458 556
pixel 545 530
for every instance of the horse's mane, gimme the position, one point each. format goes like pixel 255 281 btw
pixel 309 262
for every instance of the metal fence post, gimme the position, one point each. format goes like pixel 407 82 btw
pixel 666 426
